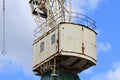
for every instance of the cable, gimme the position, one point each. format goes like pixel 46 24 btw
pixel 4 42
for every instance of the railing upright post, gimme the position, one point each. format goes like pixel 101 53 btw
pixel 87 20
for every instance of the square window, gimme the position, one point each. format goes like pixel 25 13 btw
pixel 53 39
pixel 42 46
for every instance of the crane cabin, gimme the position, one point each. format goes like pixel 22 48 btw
pixel 64 40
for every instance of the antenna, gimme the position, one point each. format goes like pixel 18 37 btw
pixel 4 42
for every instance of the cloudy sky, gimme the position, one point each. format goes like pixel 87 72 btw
pixel 17 63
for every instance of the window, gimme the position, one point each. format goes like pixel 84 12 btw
pixel 53 39
pixel 41 46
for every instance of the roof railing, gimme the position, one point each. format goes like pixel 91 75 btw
pixel 76 18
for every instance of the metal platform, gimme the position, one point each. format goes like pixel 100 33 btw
pixel 73 52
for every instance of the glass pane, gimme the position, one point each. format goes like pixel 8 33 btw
pixel 53 38
pixel 42 46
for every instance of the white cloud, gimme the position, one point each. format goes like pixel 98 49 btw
pixel 88 71
pixel 93 4
pixel 113 74
pixel 9 67
pixel 116 65
pixel 19 35
pixel 84 6
pixel 104 47
pixel 99 77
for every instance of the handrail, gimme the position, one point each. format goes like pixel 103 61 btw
pixel 76 18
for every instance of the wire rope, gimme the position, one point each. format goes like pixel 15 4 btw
pixel 4 32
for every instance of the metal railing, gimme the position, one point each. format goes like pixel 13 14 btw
pixel 58 18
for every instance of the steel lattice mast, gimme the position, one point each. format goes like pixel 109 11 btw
pixel 50 13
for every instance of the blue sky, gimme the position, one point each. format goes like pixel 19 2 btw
pixel 17 64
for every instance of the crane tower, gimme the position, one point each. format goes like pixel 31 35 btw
pixel 65 41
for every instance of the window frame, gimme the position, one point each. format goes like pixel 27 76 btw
pixel 42 44
pixel 53 38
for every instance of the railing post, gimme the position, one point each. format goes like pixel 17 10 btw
pixel 87 20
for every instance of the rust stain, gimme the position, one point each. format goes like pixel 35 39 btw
pixel 83 48
pixel 82 28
